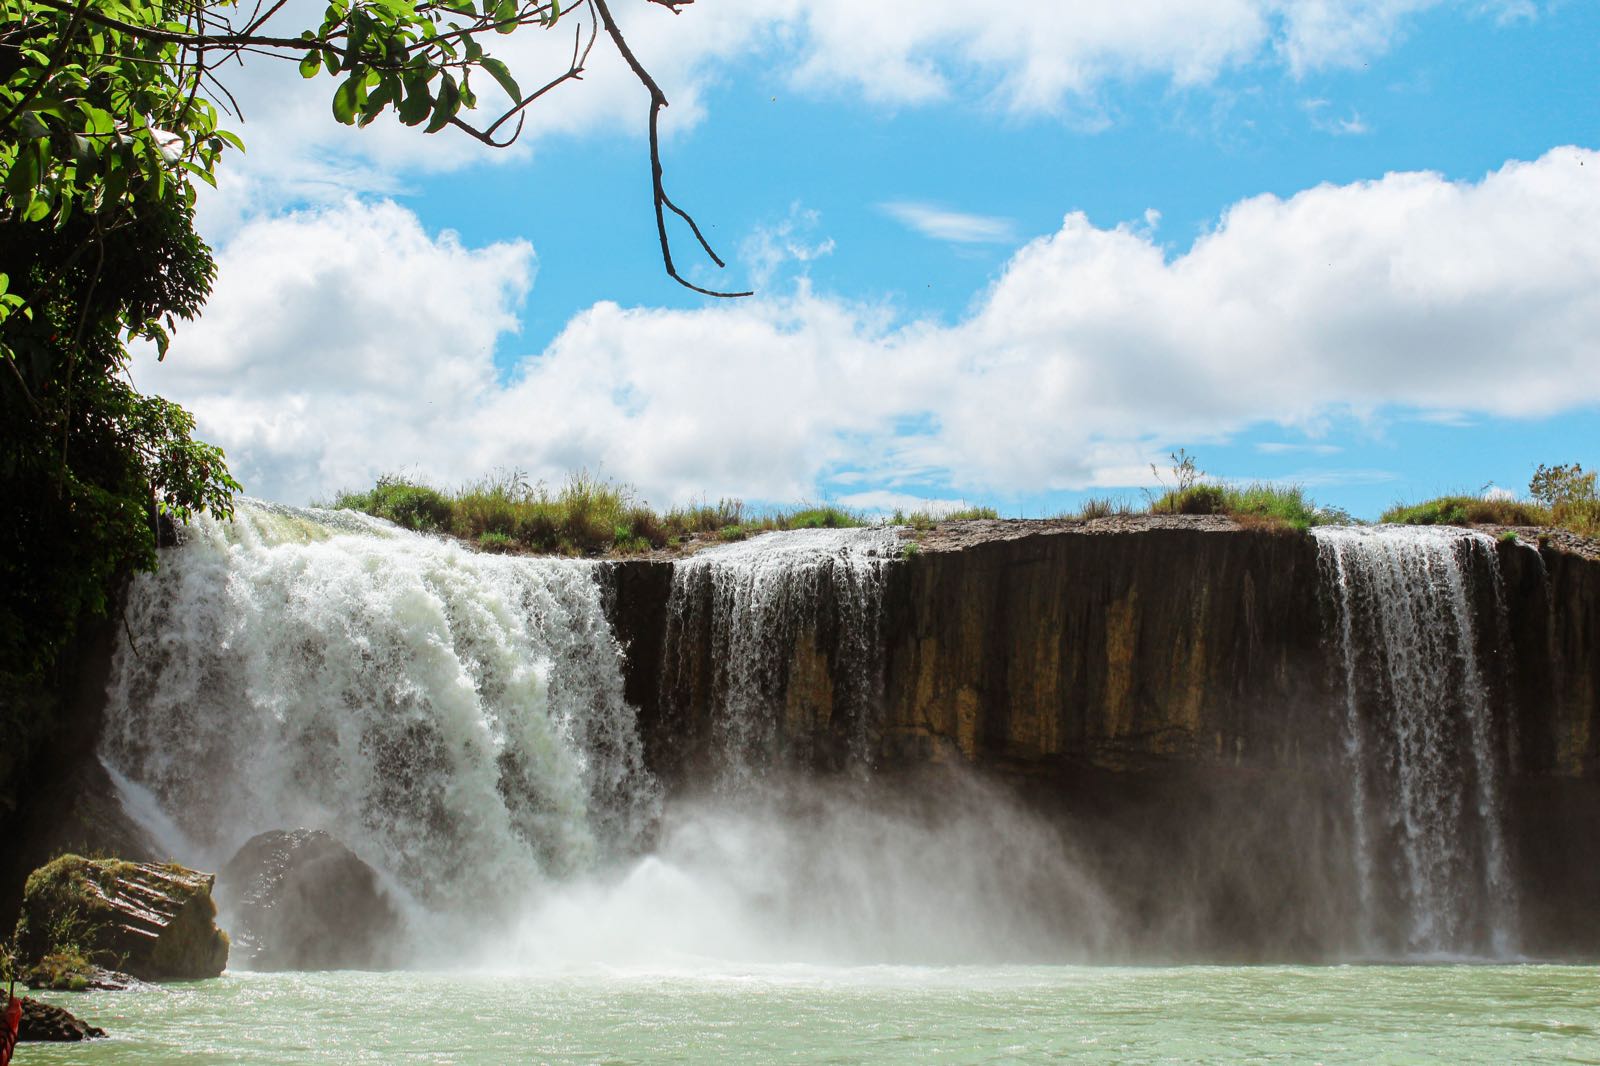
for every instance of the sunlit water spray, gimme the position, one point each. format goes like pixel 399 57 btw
pixel 1425 795
pixel 457 719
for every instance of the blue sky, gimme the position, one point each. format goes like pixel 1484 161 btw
pixel 1354 245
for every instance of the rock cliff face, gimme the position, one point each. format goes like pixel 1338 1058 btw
pixel 1172 689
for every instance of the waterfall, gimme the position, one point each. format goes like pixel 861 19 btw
pixel 782 629
pixel 456 718
pixel 1420 735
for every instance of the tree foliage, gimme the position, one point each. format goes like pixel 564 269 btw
pixel 1562 484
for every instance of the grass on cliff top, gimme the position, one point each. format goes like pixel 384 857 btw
pixel 1468 511
pixel 1261 504
pixel 589 515
pixel 585 515
pixel 1581 516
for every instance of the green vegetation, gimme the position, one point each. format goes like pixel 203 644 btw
pixel 1468 511
pixel 1102 507
pixel 67 970
pixel 1261 504
pixel 589 515
pixel 586 515
pixel 922 521
pixel 1562 496
pixel 1571 495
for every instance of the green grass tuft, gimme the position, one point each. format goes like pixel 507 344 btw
pixel 1264 504
pixel 1468 511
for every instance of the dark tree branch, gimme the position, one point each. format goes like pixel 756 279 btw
pixel 574 72
pixel 658 100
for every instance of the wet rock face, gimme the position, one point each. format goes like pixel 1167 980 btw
pixel 153 922
pixel 300 900
pixel 1170 689
pixel 44 1023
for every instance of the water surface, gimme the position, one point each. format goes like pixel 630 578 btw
pixel 1334 1014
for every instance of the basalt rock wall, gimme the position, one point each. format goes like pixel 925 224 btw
pixel 1170 688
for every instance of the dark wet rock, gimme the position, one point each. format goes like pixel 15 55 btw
pixel 300 900
pixel 44 1023
pixel 154 922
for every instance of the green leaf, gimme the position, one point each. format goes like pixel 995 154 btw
pixel 311 64
pixel 349 96
pixel 505 16
pixel 200 172
pixel 418 102
pixel 499 72
pixel 446 106
pixel 388 91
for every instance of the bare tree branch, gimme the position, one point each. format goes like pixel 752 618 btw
pixel 658 100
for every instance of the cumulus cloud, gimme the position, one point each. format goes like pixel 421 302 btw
pixel 348 342
pixel 343 341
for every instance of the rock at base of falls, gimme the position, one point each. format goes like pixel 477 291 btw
pixel 47 1024
pixel 155 922
pixel 69 971
pixel 300 900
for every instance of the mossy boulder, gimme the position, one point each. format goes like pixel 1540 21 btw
pixel 155 922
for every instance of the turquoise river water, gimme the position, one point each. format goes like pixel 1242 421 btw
pixel 1299 1014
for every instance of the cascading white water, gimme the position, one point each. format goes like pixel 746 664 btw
pixel 1420 733
pixel 752 602
pixel 456 718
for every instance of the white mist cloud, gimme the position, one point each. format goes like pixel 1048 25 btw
pixel 347 342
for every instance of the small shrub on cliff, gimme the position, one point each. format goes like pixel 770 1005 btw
pixel 1101 507
pixel 825 517
pixel 1259 504
pixel 402 502
pixel 1580 516
pixel 496 542
pixel 1556 485
pixel 1196 499
pixel 1467 511
pixel 703 517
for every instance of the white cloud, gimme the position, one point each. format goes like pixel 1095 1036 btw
pixel 1322 120
pixel 346 343
pixel 1284 448
pixel 792 240
pixel 342 342
pixel 940 224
